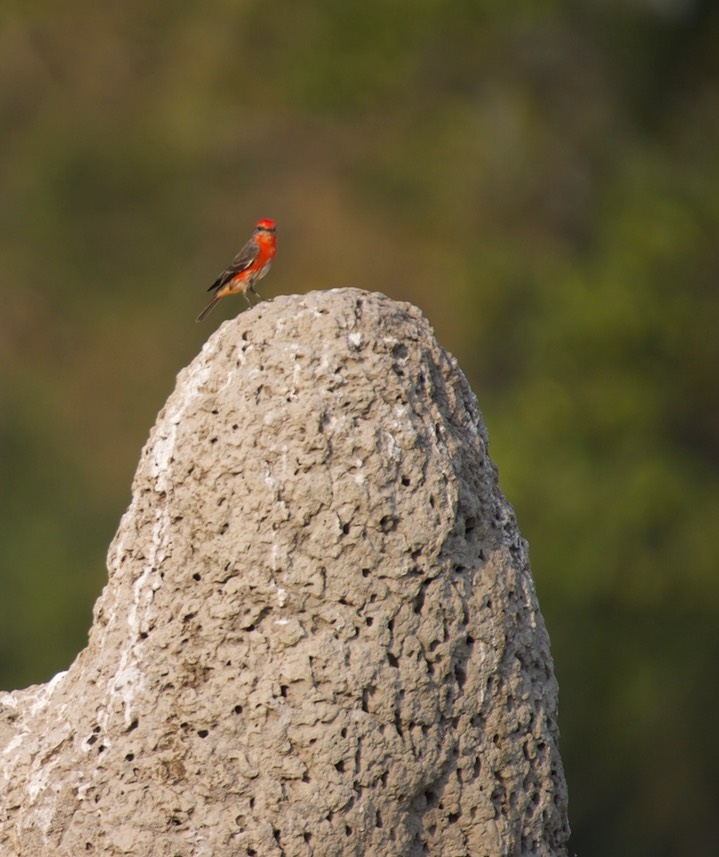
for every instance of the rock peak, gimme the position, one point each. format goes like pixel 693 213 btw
pixel 320 634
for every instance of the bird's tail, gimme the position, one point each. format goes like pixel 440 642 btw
pixel 208 309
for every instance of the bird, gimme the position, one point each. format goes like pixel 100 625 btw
pixel 249 265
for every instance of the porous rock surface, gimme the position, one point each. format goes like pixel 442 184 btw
pixel 320 635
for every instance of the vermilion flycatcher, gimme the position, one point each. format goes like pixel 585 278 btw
pixel 248 266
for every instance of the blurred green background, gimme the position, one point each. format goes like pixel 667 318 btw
pixel 542 179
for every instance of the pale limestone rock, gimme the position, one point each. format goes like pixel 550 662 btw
pixel 320 634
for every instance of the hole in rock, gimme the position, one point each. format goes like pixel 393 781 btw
pixel 419 598
pixel 203 733
pixel 400 351
pixel 388 523
pixel 365 696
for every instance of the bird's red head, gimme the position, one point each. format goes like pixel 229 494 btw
pixel 265 226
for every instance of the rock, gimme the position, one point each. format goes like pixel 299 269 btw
pixel 320 634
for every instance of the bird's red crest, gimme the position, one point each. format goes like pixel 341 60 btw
pixel 265 224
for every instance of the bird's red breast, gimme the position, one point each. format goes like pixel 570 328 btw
pixel 264 238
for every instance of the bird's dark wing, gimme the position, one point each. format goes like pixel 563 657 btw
pixel 240 263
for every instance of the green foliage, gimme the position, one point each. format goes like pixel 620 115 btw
pixel 540 178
